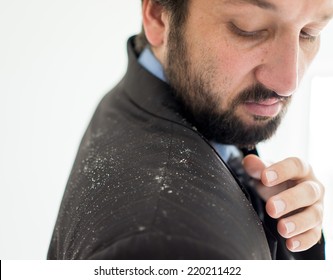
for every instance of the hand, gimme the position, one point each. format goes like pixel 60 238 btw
pixel 294 196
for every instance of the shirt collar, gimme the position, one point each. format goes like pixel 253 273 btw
pixel 226 152
pixel 150 63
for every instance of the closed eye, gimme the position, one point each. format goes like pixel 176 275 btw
pixel 243 33
pixel 306 36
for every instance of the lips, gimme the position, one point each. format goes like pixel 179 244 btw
pixel 264 108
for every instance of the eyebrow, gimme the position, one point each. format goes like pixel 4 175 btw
pixel 260 3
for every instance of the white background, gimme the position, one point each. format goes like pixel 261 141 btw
pixel 57 59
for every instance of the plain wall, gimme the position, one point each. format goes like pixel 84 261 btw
pixel 57 60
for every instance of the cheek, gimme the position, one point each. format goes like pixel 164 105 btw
pixel 237 67
pixel 227 69
pixel 306 57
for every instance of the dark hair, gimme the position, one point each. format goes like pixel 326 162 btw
pixel 178 13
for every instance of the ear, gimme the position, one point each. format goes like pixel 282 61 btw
pixel 154 22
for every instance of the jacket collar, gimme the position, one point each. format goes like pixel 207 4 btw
pixel 150 93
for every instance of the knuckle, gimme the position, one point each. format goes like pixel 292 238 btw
pixel 300 165
pixel 315 190
pixel 318 214
pixel 322 188
pixel 315 235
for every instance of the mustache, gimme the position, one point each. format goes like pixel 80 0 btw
pixel 258 93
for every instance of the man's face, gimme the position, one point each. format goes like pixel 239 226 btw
pixel 236 63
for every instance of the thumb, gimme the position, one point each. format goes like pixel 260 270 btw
pixel 254 166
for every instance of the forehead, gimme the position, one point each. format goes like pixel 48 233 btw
pixel 301 11
pixel 320 9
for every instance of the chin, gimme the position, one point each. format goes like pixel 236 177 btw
pixel 255 120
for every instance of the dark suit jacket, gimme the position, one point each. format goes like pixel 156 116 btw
pixel 147 185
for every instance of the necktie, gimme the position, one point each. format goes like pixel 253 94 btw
pixel 246 183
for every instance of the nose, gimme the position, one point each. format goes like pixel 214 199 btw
pixel 279 68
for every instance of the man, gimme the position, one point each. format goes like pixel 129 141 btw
pixel 168 168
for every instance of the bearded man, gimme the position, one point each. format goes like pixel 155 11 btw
pixel 168 169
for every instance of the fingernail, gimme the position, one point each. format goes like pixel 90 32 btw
pixel 279 205
pixel 296 244
pixel 290 226
pixel 256 175
pixel 271 176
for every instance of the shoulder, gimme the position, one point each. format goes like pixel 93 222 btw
pixel 144 180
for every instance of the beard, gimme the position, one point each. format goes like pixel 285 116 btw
pixel 201 102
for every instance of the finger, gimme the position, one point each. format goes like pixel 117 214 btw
pixel 301 222
pixel 302 195
pixel 304 241
pixel 254 166
pixel 288 169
